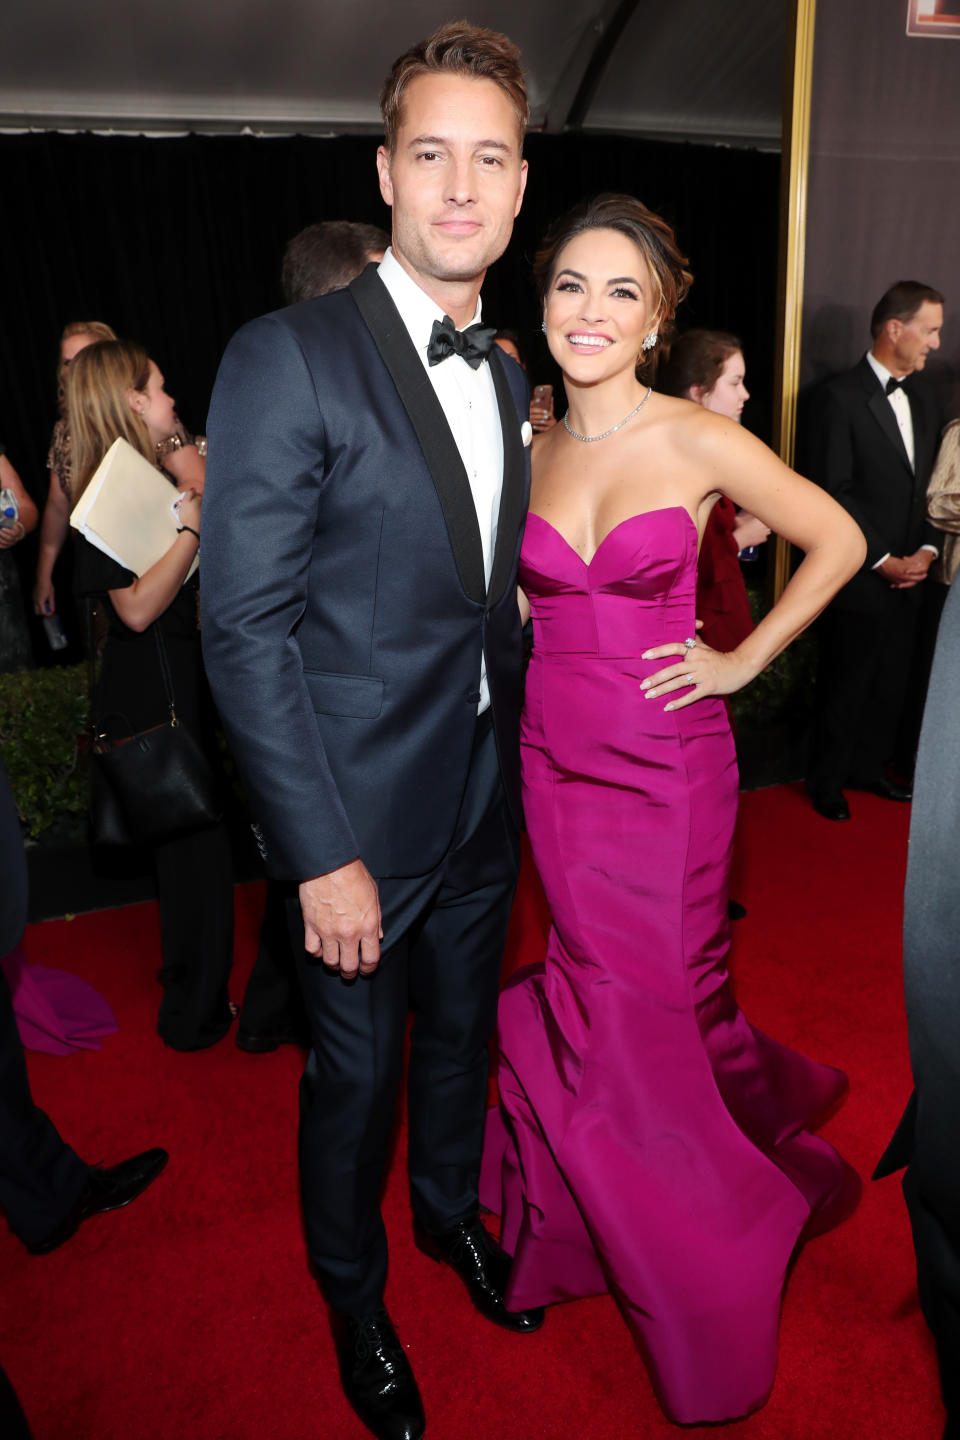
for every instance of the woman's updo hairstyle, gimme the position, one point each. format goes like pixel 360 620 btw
pixel 695 360
pixel 652 236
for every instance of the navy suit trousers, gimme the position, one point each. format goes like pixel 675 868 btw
pixel 444 935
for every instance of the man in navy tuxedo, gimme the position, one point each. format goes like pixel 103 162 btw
pixel 363 511
pixel 873 437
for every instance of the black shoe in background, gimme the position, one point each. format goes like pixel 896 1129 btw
pixel 107 1188
pixel 255 1044
pixel 831 805
pixel 886 789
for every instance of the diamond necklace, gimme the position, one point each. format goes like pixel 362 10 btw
pixel 592 439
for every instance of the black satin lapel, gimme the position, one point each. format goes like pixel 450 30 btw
pixel 382 319
pixel 513 494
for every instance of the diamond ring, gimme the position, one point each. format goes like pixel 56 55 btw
pixel 690 642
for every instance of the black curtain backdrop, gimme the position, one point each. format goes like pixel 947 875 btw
pixel 178 241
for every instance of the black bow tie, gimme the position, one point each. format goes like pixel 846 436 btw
pixel 893 385
pixel 473 344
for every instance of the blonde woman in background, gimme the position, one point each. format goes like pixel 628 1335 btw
pixel 115 389
pixel 56 512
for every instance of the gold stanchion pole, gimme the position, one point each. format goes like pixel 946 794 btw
pixel 798 81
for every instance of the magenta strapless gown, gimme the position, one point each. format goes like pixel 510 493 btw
pixel 649 1141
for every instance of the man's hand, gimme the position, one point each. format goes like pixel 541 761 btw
pixel 923 559
pixel 905 571
pixel 341 919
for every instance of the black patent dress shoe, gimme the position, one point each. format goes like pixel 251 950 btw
pixel 376 1376
pixel 255 1044
pixel 109 1187
pixel 483 1267
pixel 886 789
pixel 832 806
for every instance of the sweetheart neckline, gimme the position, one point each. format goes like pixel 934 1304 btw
pixel 640 515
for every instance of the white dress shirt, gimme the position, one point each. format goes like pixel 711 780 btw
pixel 469 403
pixel 899 403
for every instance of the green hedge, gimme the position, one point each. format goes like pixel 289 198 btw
pixel 785 688
pixel 43 715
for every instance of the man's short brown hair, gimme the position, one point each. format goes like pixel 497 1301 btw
pixel 457 48
pixel 327 256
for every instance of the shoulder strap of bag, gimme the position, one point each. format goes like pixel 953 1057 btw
pixel 165 671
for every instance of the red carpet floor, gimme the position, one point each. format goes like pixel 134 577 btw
pixel 191 1314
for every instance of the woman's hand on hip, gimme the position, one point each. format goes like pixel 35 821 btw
pixel 696 672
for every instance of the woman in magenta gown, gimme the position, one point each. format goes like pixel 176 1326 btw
pixel 649 1141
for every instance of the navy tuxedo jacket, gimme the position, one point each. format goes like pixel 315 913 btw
pixel 856 452
pixel 344 608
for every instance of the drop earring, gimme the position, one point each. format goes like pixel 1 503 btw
pixel 543 326
pixel 649 341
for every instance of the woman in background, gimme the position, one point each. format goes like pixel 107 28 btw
pixel 707 366
pixel 56 512
pixel 114 389
pixel 15 652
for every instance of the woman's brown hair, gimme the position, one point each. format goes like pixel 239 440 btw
pixel 696 360
pixel 98 407
pixel 652 236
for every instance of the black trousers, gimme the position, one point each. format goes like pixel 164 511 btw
pixel 41 1178
pixel 444 935
pixel 273 1000
pixel 862 681
pixel 195 892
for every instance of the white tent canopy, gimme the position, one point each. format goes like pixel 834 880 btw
pixel 706 70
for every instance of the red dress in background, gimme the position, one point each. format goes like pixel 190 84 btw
pixel 722 600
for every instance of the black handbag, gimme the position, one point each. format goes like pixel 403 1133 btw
pixel 147 786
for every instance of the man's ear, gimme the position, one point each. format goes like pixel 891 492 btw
pixel 383 170
pixel 523 186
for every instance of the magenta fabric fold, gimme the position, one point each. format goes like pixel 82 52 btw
pixel 56 1012
pixel 649 1141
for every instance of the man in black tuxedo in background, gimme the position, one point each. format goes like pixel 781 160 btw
pixel 363 510
pixel 873 438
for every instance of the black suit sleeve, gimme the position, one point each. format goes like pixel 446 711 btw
pixel 262 498
pixel 832 465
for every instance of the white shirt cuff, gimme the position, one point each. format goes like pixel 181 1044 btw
pixel 880 561
pixel 932 548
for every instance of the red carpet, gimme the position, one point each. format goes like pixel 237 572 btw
pixel 191 1315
